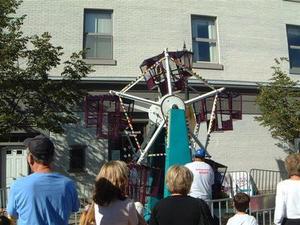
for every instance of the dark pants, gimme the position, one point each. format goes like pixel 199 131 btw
pixel 291 222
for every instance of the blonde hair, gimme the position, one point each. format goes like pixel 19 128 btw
pixel 179 179
pixel 111 182
pixel 292 164
pixel 116 172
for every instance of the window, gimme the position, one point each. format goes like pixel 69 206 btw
pixel 98 39
pixel 293 35
pixel 204 39
pixel 77 158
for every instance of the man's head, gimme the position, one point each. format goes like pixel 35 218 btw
pixel 200 153
pixel 241 202
pixel 41 148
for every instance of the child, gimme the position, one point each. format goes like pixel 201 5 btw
pixel 241 204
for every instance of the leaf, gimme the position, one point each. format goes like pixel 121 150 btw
pixel 28 97
pixel 279 105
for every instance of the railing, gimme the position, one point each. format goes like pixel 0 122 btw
pixel 3 197
pixel 221 209
pixel 265 181
pixel 239 182
pixel 264 216
pixel 256 182
pixel 74 218
pixel 261 207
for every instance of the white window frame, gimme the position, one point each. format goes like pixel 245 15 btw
pixel 293 70
pixel 212 64
pixel 98 60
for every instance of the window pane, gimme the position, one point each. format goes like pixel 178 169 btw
pixel 293 35
pixel 203 28
pixel 104 48
pixel 202 51
pixel 104 24
pixel 98 22
pixel 77 158
pixel 294 57
pixel 98 47
pixel 90 22
pixel 205 51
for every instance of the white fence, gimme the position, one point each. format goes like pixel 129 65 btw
pixel 256 182
pixel 261 207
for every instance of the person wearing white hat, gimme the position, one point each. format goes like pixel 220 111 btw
pixel 203 176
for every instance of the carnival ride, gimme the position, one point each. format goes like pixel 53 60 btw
pixel 173 110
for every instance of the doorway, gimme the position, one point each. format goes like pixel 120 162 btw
pixel 13 164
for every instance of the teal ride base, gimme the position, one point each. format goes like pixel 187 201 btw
pixel 177 148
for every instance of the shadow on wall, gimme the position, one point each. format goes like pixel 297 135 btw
pixel 288 149
pixel 281 167
pixel 95 155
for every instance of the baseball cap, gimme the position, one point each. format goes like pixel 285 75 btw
pixel 41 147
pixel 200 153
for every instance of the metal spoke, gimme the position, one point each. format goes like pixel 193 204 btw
pixel 168 72
pixel 150 143
pixel 135 98
pixel 212 118
pixel 211 93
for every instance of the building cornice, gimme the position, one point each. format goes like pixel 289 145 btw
pixel 126 79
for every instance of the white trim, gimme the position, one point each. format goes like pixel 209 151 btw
pixel 11 144
pixel 209 40
pixel 208 65
pixel 295 47
pixel 295 70
pixel 218 40
pixel 98 61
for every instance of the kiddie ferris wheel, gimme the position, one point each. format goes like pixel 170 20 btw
pixel 169 73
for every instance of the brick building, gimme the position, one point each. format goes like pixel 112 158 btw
pixel 234 44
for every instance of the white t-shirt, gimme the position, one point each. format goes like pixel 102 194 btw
pixel 203 179
pixel 242 219
pixel 116 213
pixel 287 200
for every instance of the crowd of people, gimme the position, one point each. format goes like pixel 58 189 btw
pixel 48 198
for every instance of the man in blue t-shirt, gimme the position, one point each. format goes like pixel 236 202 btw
pixel 43 197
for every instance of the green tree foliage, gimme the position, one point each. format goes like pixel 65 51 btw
pixel 28 98
pixel 280 105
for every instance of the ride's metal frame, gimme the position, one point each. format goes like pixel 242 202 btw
pixel 123 94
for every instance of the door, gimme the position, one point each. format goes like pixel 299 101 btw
pixel 14 164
